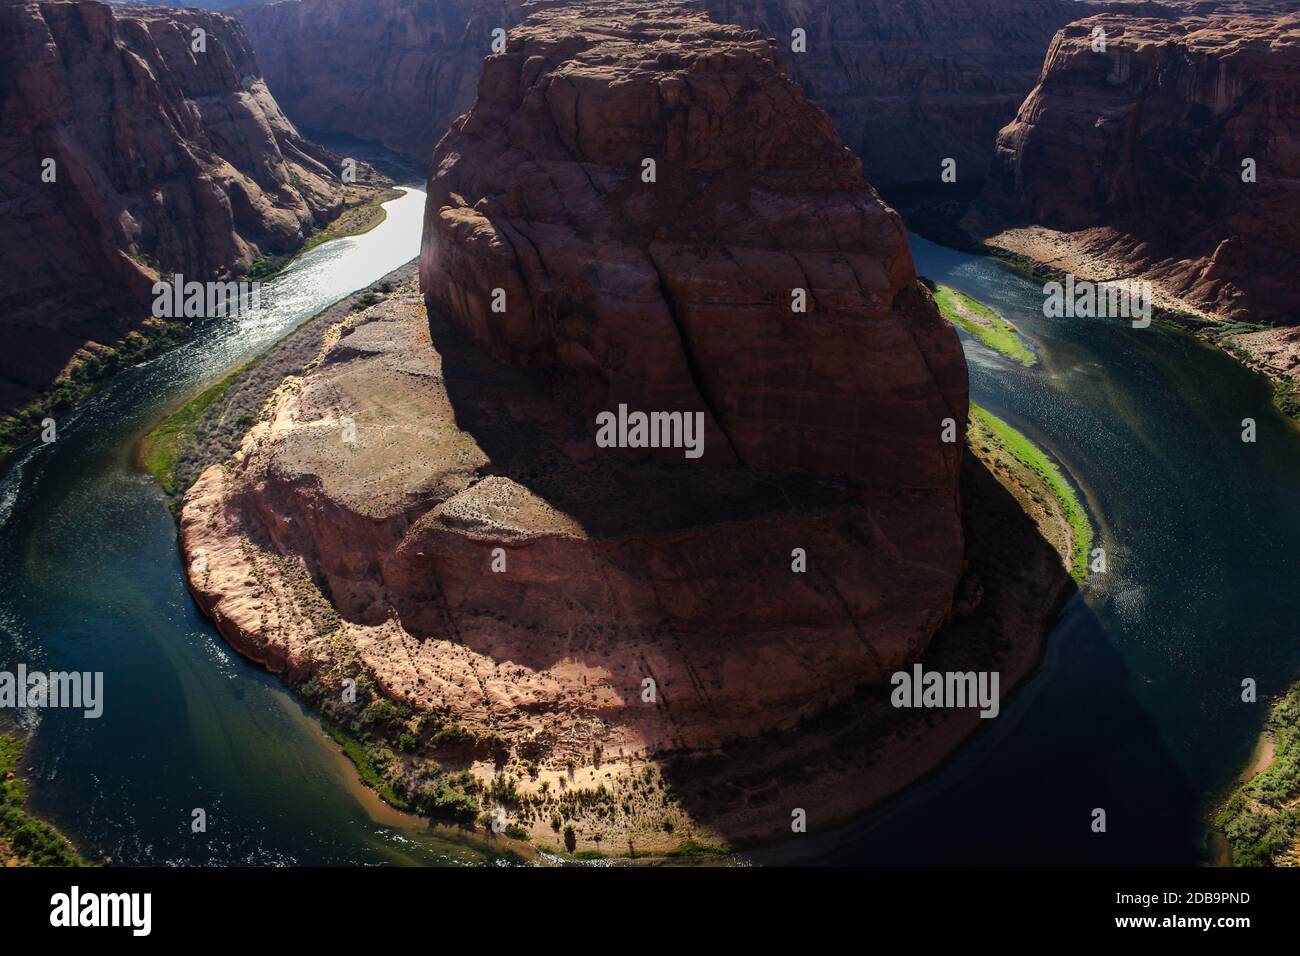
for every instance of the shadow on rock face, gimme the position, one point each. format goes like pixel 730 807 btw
pixel 843 759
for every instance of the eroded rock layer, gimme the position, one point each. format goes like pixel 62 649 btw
pixel 610 572
pixel 906 84
pixel 911 84
pixel 165 159
pixel 1133 159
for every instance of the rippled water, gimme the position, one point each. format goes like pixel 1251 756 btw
pixel 93 582
pixel 1137 709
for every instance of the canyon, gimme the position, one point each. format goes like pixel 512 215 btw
pixel 126 153
pixel 906 85
pixel 662 212
pixel 550 625
pixel 395 72
pixel 909 85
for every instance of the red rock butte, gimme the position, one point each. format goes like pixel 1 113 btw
pixel 473 429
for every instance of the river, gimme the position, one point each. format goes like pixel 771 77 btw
pixel 1136 709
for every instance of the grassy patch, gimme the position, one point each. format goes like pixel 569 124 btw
pixel 983 323
pixel 1286 399
pixel 154 336
pixel 1261 819
pixel 27 838
pixel 160 450
pixel 997 433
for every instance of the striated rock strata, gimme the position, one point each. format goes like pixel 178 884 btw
pixel 427 508
pixel 680 293
pixel 326 558
pixel 166 160
pixel 1129 162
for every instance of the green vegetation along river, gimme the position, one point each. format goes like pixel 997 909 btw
pixel 1137 709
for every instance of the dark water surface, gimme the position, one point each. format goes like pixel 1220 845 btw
pixel 1136 710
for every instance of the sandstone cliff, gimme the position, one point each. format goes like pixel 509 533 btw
pixel 679 293
pixel 1131 160
pixel 165 160
pixel 426 508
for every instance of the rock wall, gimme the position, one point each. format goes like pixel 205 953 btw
pixel 165 160
pixel 1136 155
pixel 906 84
pixel 910 84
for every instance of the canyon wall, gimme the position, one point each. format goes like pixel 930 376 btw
pixel 910 84
pixel 393 71
pixel 1132 158
pixel 164 160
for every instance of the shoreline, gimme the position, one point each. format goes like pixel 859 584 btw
pixel 384 814
pixel 1258 818
pixel 993 330
pixel 25 839
pixel 162 449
